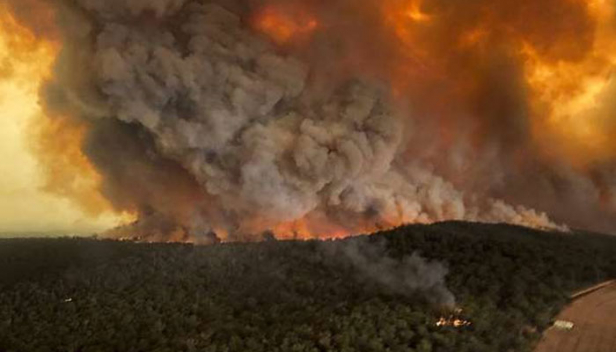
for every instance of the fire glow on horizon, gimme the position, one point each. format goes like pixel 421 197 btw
pixel 442 62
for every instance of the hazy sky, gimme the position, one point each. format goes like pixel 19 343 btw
pixel 24 207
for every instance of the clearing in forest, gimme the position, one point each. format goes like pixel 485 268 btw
pixel 594 316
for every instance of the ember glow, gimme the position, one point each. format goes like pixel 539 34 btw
pixel 572 99
pixel 283 27
pixel 306 119
pixel 454 319
pixel 453 322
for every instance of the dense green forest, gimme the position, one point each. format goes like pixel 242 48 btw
pixel 98 295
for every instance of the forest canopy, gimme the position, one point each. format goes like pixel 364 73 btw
pixel 94 295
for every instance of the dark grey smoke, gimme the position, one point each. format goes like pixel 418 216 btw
pixel 195 118
pixel 199 89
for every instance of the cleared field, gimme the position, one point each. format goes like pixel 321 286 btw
pixel 594 316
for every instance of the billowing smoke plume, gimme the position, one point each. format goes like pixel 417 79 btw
pixel 230 118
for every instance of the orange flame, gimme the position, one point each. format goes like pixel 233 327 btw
pixel 282 26
pixel 305 229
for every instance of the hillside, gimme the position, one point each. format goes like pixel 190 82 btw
pixel 370 293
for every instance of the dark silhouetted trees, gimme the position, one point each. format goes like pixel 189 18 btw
pixel 98 296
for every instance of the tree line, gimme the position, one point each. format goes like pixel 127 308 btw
pixel 93 295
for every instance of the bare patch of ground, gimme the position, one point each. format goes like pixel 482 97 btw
pixel 594 316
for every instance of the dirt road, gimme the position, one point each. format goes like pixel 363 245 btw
pixel 594 316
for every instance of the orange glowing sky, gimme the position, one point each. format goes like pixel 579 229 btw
pixel 283 27
pixel 57 190
pixel 576 98
pixel 571 99
pixel 25 206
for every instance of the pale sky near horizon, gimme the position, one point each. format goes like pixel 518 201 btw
pixel 24 206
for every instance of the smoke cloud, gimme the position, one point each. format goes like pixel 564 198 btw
pixel 322 119
pixel 406 276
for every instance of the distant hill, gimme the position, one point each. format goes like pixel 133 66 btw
pixel 29 234
pixel 384 292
